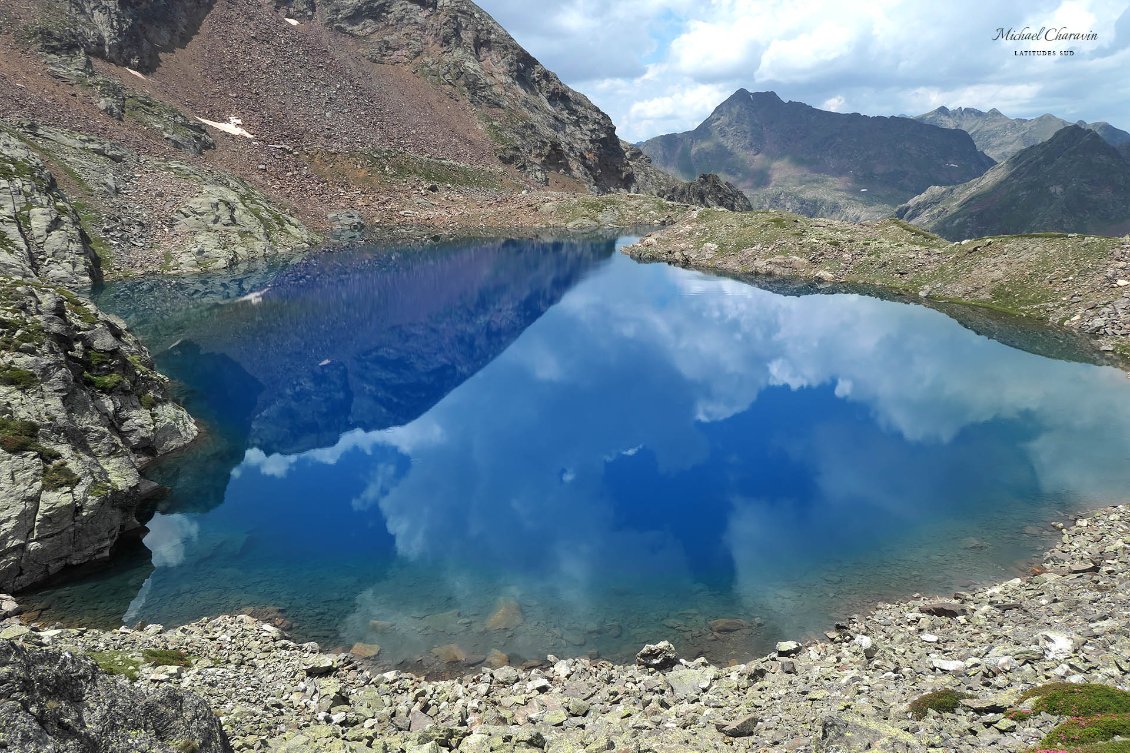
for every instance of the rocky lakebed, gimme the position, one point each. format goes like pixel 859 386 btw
pixel 967 659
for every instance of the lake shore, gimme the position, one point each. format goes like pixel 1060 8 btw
pixel 1063 623
pixel 1074 284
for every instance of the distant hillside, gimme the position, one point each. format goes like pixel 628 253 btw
pixel 790 156
pixel 1000 136
pixel 1075 182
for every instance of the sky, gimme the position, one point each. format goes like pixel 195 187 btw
pixel 661 66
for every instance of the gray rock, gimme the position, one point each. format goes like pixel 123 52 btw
pixel 319 666
pixel 56 701
pixel 743 727
pixel 687 683
pixel 851 734
pixel 788 648
pixel 40 233
pixel 709 190
pixel 86 413
pixel 657 656
pixel 949 609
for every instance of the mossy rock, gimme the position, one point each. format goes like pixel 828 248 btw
pixel 944 701
pixel 21 379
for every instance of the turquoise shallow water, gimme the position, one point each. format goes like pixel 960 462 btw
pixel 400 442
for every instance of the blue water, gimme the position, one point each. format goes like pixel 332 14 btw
pixel 399 442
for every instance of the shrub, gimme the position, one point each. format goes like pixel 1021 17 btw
pixel 943 701
pixel 1085 699
pixel 1082 730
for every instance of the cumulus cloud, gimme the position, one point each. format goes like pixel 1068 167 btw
pixel 658 66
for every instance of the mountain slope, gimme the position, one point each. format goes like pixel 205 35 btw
pixel 199 134
pixel 1000 136
pixel 792 156
pixel 1074 182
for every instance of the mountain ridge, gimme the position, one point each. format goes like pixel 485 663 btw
pixel 1000 136
pixel 792 156
pixel 1075 182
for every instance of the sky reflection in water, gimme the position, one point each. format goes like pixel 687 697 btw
pixel 634 451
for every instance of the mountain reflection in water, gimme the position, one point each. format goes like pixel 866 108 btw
pixel 536 448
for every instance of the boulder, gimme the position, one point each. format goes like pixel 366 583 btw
pixel 658 656
pixel 55 701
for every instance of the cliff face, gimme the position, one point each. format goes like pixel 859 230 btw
pixel 791 156
pixel 81 410
pixel 1074 182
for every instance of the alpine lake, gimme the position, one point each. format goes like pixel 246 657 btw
pixel 543 447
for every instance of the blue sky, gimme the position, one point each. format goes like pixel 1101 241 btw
pixel 658 66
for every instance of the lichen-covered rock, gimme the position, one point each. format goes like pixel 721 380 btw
pixel 56 702
pixel 40 233
pixel 81 412
pixel 228 223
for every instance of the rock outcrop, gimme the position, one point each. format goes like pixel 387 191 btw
pixel 1075 182
pixel 81 410
pixel 709 191
pixel 125 32
pixel 40 232
pixel 787 155
pixel 54 702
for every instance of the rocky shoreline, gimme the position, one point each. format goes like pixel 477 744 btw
pixel 849 691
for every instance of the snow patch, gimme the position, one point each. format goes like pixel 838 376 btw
pixel 234 126
pixel 292 21
pixel 135 73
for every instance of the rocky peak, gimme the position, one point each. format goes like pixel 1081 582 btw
pixel 1073 182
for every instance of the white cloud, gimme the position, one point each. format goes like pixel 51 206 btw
pixel 658 66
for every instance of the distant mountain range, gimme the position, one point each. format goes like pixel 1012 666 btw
pixel 788 155
pixel 1000 136
pixel 1073 182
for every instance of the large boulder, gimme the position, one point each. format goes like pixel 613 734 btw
pixel 56 702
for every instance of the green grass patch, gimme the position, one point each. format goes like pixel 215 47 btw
pixel 22 436
pixel 1085 699
pixel 59 475
pixel 106 383
pixel 21 379
pixel 117 663
pixel 1084 730
pixel 942 701
pixel 148 401
pixel 161 657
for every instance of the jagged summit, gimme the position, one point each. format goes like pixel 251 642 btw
pixel 1000 136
